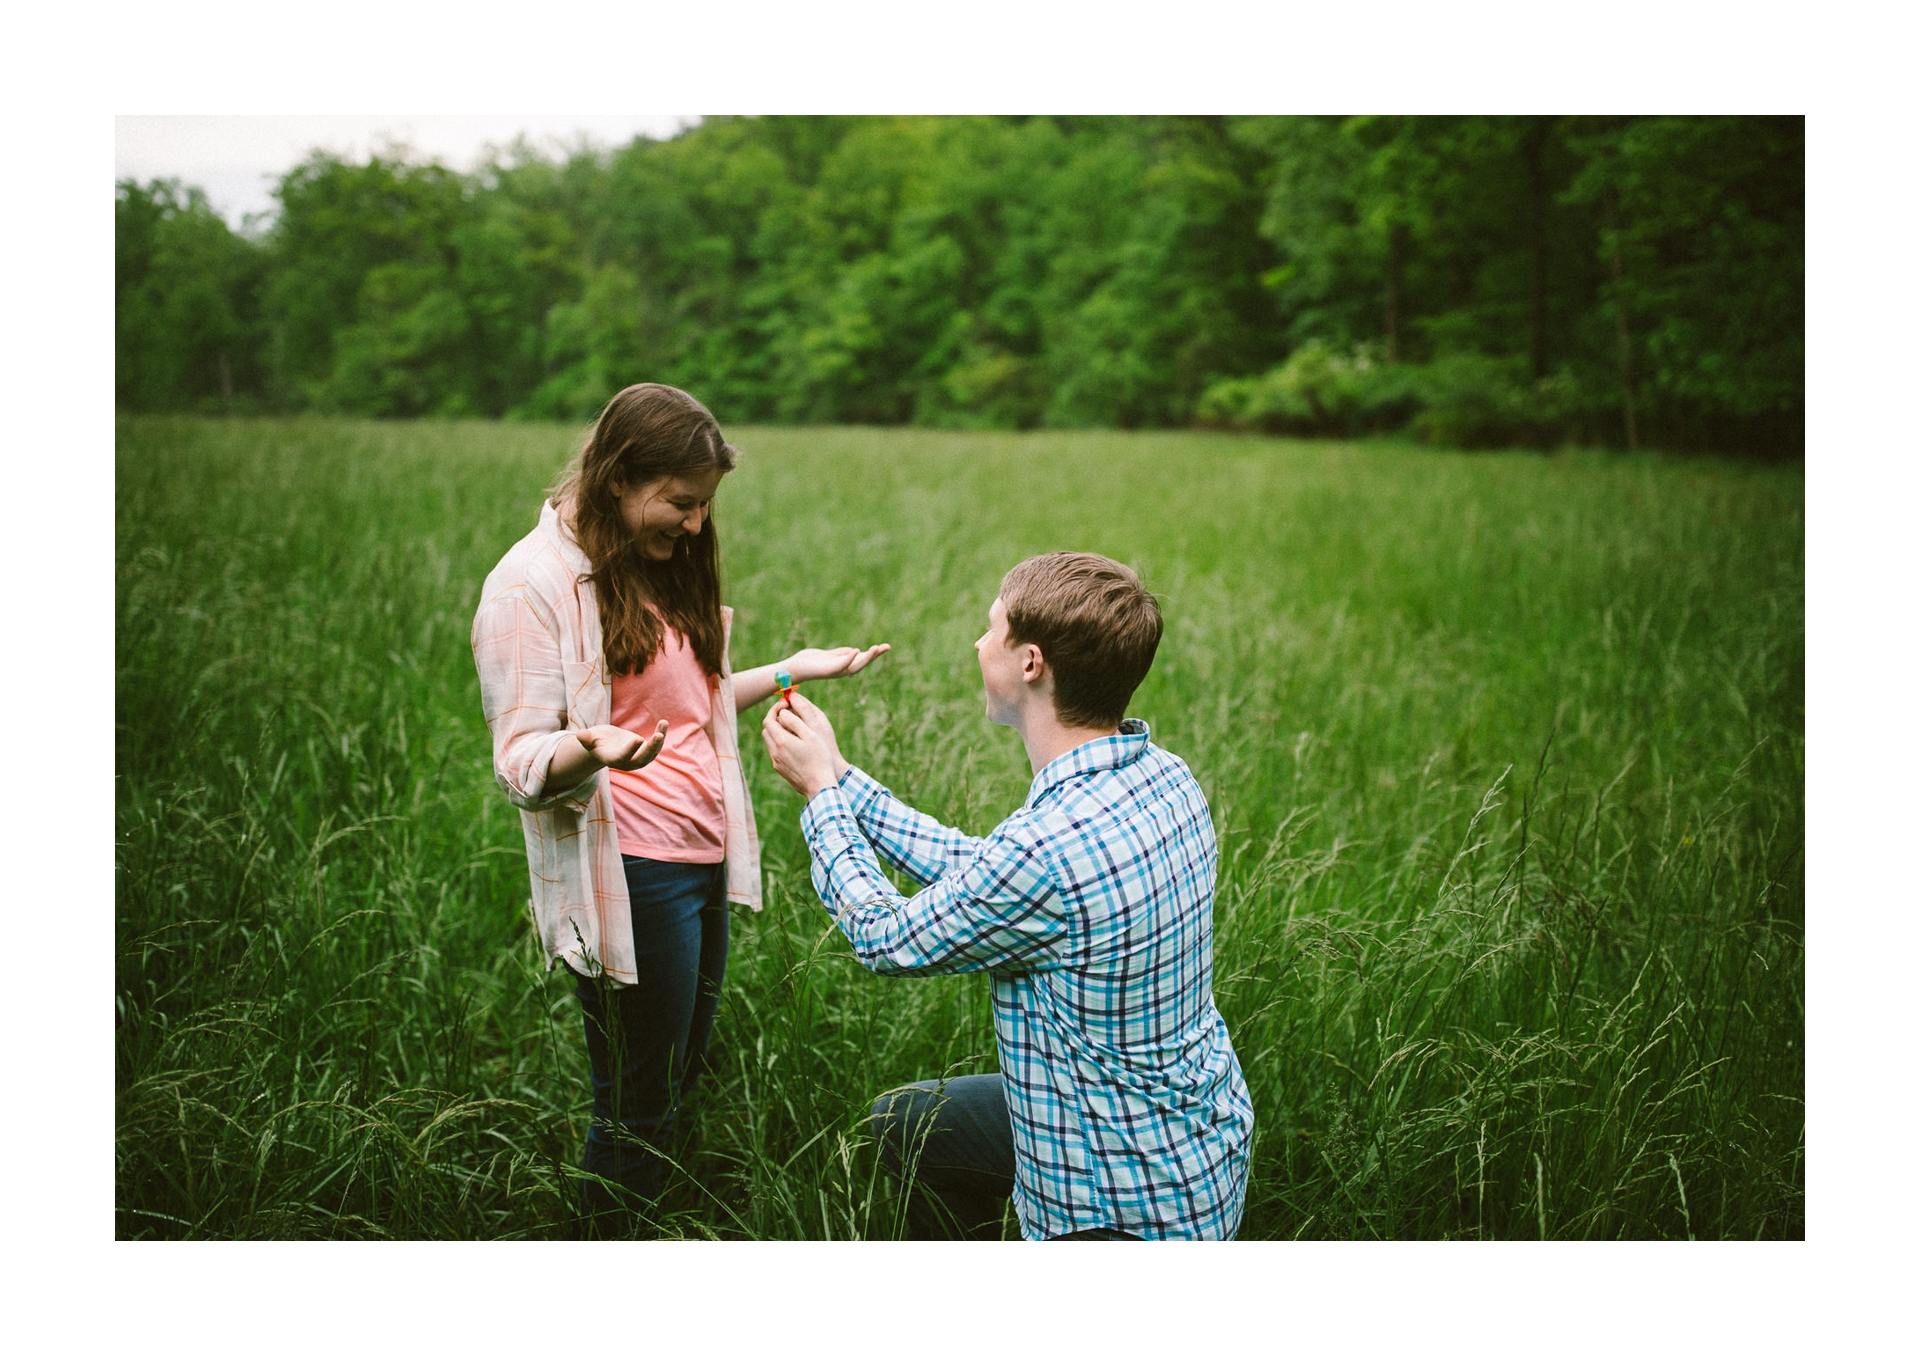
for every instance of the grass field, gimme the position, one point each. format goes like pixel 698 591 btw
pixel 1505 754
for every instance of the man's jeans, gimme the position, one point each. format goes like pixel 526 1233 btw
pixel 951 1141
pixel 647 1042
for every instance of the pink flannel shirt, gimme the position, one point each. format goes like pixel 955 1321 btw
pixel 536 643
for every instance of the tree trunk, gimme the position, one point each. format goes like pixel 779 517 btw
pixel 226 385
pixel 1620 322
pixel 1534 148
pixel 1396 277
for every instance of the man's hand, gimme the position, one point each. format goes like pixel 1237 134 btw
pixel 614 747
pixel 816 720
pixel 799 754
pixel 842 662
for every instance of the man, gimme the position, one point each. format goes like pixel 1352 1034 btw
pixel 1120 1110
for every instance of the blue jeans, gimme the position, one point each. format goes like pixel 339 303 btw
pixel 951 1143
pixel 647 1042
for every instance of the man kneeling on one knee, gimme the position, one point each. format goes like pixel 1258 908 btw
pixel 1120 1110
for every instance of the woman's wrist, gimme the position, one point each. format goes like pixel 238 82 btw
pixel 572 763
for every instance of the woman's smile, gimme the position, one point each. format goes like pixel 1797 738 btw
pixel 660 512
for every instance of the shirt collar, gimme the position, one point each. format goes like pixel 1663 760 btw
pixel 569 545
pixel 1096 755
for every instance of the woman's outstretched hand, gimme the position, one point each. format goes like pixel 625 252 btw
pixel 841 662
pixel 622 749
pixel 753 686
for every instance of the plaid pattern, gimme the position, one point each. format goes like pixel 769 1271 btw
pixel 1092 908
pixel 536 646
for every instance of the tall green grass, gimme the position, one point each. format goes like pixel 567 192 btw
pixel 1505 754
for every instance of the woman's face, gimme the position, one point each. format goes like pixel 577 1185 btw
pixel 660 512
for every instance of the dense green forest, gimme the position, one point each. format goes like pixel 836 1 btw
pixel 1477 280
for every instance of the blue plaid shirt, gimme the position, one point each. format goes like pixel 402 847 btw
pixel 1092 908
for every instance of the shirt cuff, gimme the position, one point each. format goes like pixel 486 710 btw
pixel 861 791
pixel 574 798
pixel 827 811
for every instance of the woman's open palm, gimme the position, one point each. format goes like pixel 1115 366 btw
pixel 622 749
pixel 841 662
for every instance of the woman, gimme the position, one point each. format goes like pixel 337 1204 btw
pixel 604 621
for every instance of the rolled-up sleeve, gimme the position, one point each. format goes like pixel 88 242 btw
pixel 996 907
pixel 523 691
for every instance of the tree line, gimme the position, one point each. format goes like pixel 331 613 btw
pixel 1479 281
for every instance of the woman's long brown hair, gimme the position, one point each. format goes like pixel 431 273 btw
pixel 647 433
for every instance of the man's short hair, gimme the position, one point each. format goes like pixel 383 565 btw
pixel 1095 626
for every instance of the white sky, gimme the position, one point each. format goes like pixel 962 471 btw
pixel 238 158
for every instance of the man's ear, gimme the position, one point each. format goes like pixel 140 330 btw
pixel 1033 664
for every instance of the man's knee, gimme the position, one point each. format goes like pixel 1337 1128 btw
pixel 901 1119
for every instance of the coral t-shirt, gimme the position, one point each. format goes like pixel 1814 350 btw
pixel 671 810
